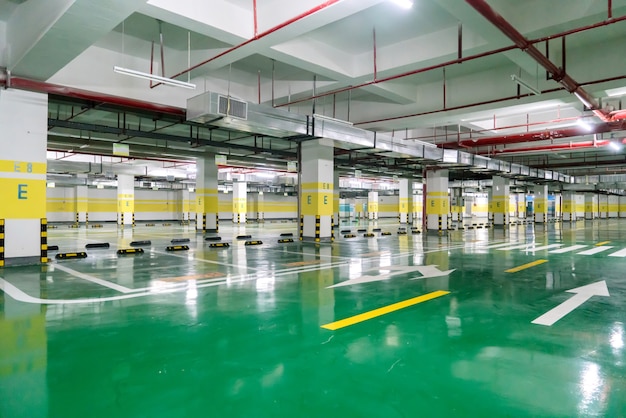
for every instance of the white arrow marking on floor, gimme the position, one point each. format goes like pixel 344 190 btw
pixel 582 294
pixel 426 271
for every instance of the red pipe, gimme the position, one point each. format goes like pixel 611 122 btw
pixel 259 36
pixel 558 74
pixel 538 136
pixel 453 62
pixel 43 87
pixel 559 147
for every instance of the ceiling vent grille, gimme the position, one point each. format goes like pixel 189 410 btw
pixel 232 107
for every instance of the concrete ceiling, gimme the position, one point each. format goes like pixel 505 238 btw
pixel 73 43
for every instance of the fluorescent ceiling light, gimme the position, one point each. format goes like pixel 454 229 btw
pixel 405 4
pixel 524 84
pixel 152 77
pixel 616 146
pixel 583 124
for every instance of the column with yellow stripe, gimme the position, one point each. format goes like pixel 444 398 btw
pixel 125 199
pixel 569 206
pixel 603 204
pixel 613 206
pixel 23 136
pixel 184 205
pixel 500 201
pixel 336 219
pixel 206 194
pixel 372 205
pixel 591 203
pixel 437 200
pixel 622 207
pixel 317 190
pixel 403 200
pixel 81 201
pixel 541 203
pixel 240 202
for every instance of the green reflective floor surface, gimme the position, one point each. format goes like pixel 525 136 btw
pixel 259 331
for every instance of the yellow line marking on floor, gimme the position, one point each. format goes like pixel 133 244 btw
pixel 602 243
pixel 384 310
pixel 525 266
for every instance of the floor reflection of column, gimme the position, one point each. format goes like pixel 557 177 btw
pixel 318 302
pixel 23 349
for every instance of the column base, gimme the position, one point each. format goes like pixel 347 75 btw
pixel 313 240
pixel 22 261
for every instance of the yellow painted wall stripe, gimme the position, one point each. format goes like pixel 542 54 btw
pixel 525 266
pixel 602 243
pixel 384 310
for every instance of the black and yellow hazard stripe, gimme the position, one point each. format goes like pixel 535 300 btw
pixel 86 218
pixel 1 242
pixel 317 228
pixel 133 219
pixel 217 222
pixel 440 224
pixel 44 240
pixel 204 222
pixel 77 219
pixel 122 219
pixel 301 227
pixel 332 228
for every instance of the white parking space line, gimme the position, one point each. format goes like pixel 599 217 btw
pixel 93 279
pixel 544 247
pixel 568 249
pixel 620 253
pixel 594 250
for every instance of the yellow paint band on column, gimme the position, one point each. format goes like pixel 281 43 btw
pixel 384 310
pixel 317 203
pixel 404 205
pixel 22 198
pixel 125 202
pixel 437 205
pixel 240 205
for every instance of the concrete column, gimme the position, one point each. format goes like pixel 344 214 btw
pixel 260 214
pixel 569 206
pixel 23 135
pixel 603 203
pixel 591 204
pixel 500 201
pixel 125 200
pixel 613 206
pixel 372 205
pixel 521 205
pixel 81 200
pixel 403 200
pixel 541 203
pixel 411 202
pixel 317 190
pixel 622 206
pixel 457 205
pixel 184 205
pixel 336 200
pixel 240 202
pixel 437 200
pixel 490 205
pixel 206 195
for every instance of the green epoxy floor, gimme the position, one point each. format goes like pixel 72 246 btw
pixel 237 332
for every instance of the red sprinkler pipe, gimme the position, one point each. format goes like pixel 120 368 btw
pixel 559 147
pixel 558 74
pixel 261 35
pixel 537 136
pixel 43 87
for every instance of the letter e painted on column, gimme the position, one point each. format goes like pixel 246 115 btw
pixel 17 167
pixel 325 200
pixel 21 191
pixel 308 200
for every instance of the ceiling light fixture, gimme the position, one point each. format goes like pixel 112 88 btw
pixel 524 84
pixel 584 124
pixel 405 4
pixel 152 77
pixel 615 146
